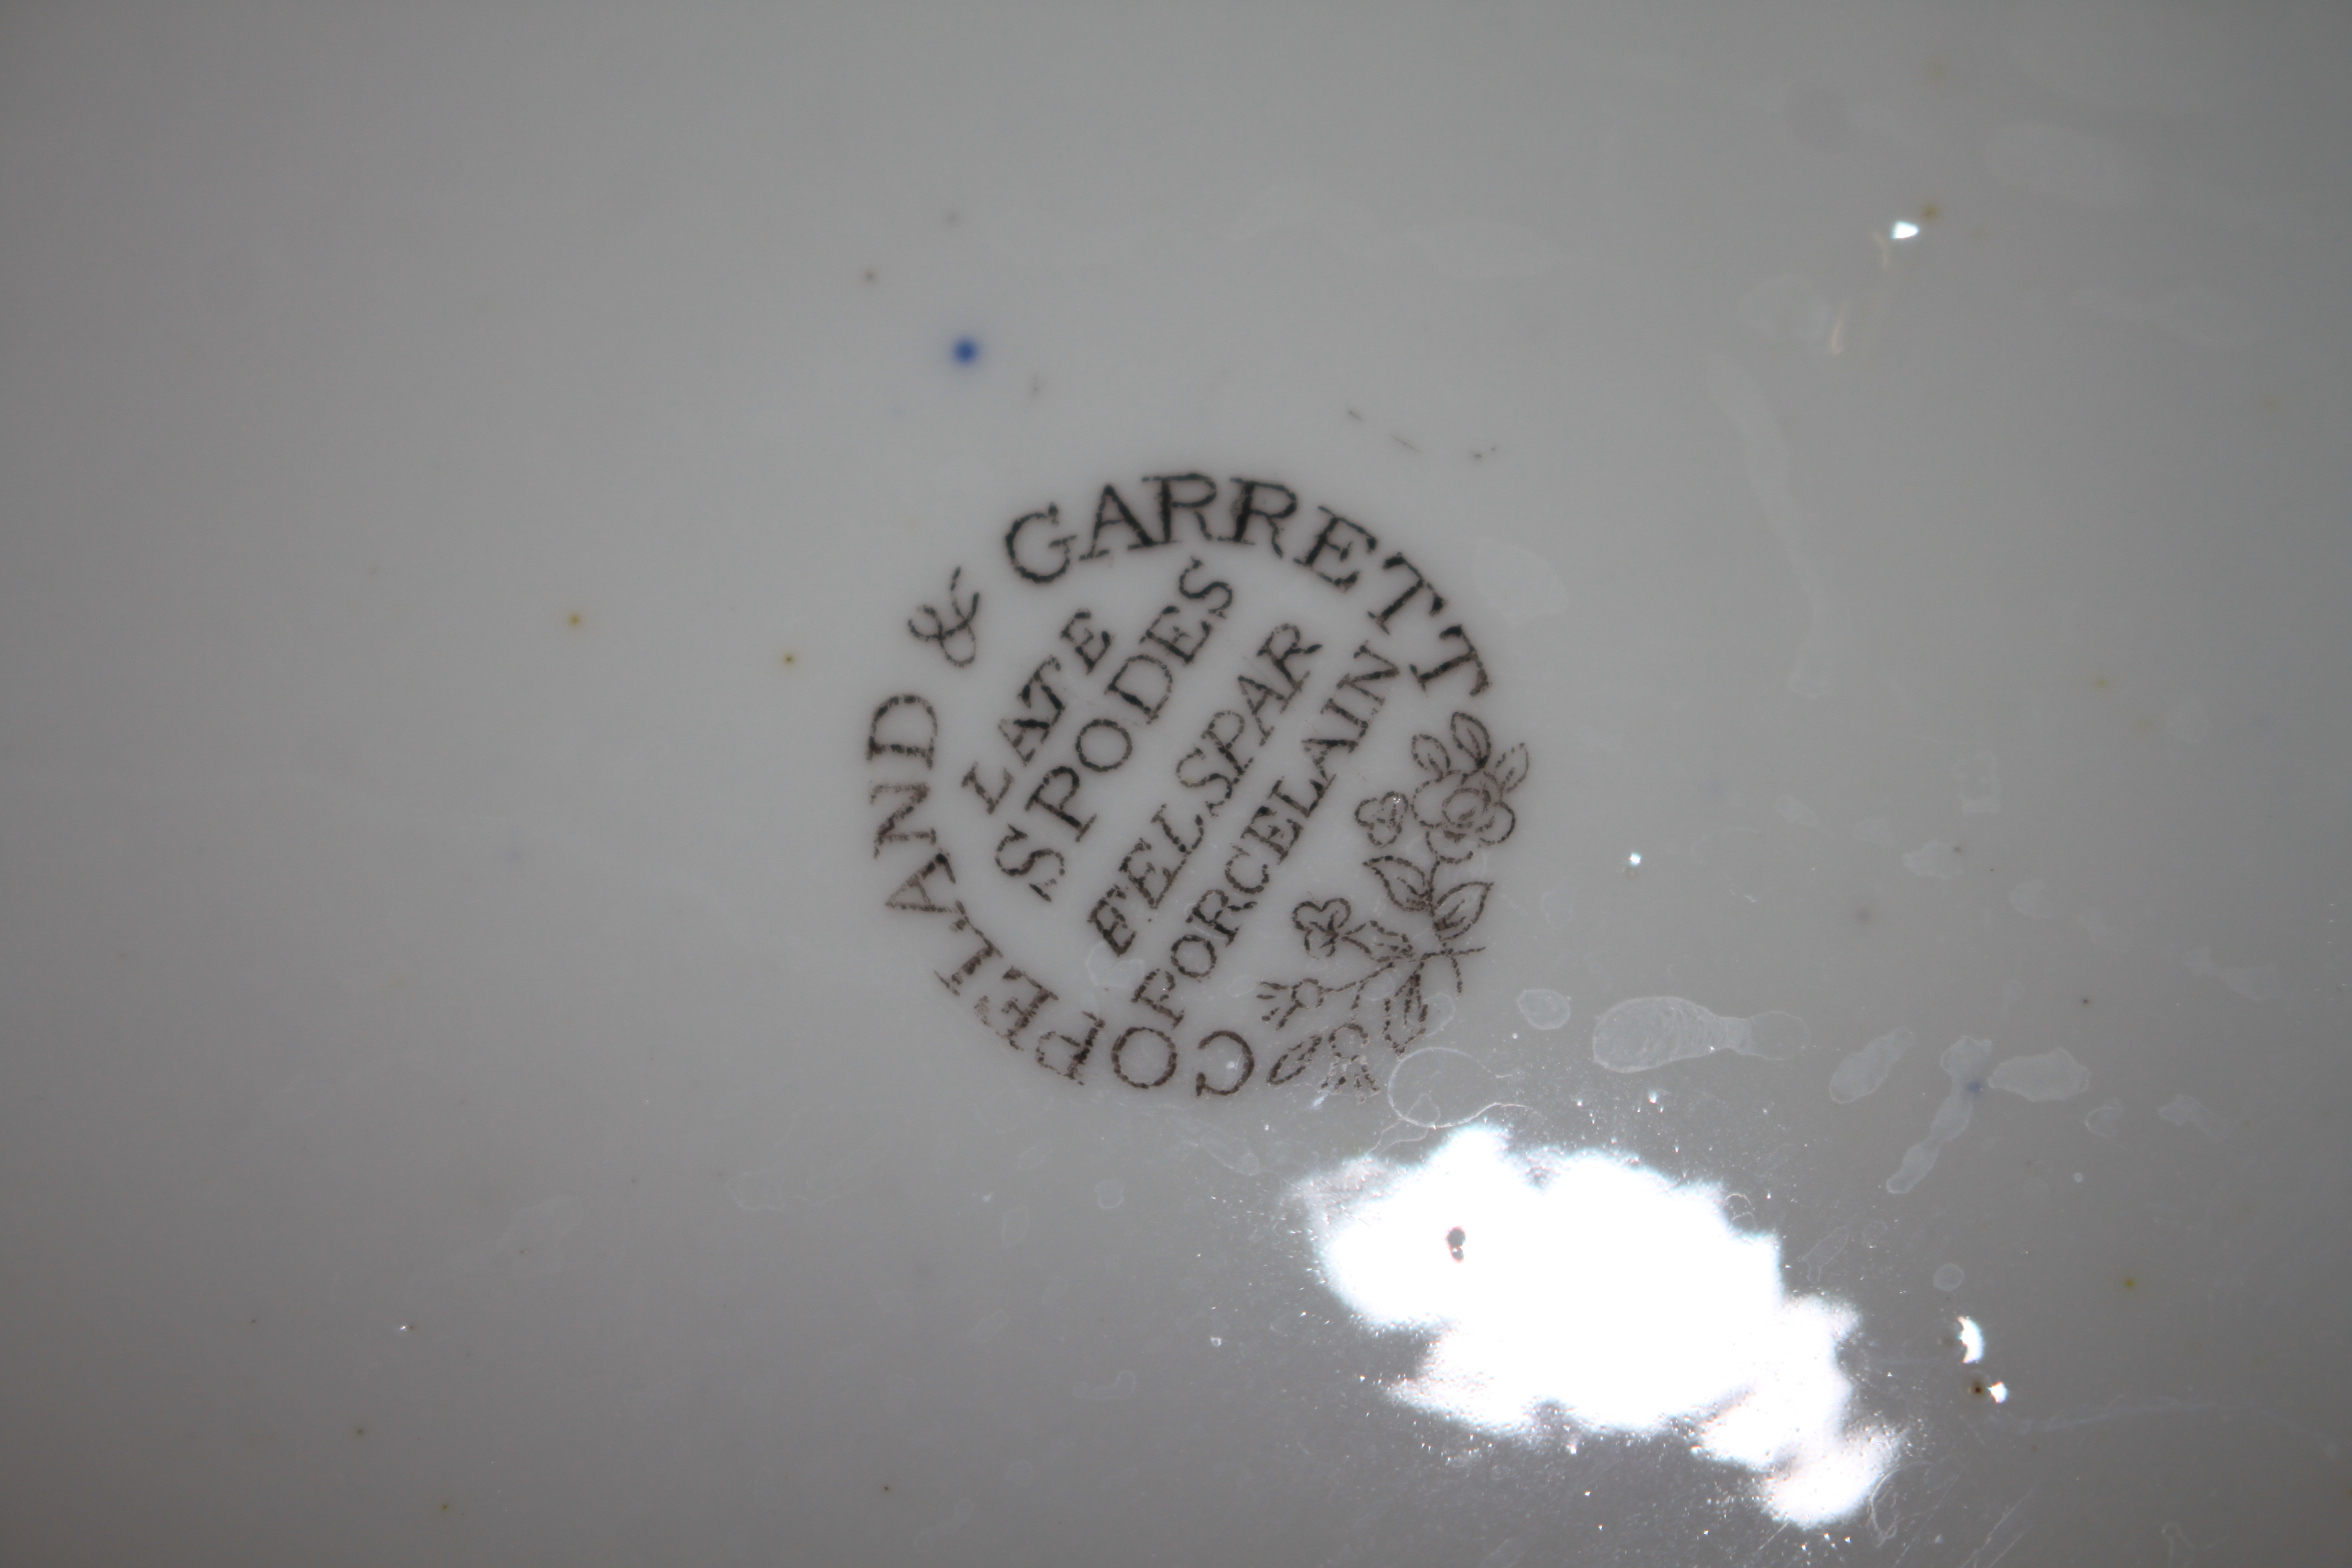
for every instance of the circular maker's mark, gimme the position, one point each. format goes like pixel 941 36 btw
pixel 1185 788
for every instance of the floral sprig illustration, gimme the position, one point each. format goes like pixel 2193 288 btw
pixel 1457 809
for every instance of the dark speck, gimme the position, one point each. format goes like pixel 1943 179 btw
pixel 967 350
pixel 1454 1240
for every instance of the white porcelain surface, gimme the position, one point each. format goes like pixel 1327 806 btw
pixel 466 476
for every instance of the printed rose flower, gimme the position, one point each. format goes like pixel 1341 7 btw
pixel 1323 925
pixel 1384 819
pixel 1463 812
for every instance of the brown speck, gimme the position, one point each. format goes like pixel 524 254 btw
pixel 1930 212
pixel 871 274
pixel 790 660
pixel 576 618
pixel 2130 1283
pixel 359 1431
pixel 2099 683
pixel 886 1486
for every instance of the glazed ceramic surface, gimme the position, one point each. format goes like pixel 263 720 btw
pixel 1452 785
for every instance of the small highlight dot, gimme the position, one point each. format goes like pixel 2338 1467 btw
pixel 967 350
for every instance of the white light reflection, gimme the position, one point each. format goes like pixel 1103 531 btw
pixel 1568 1283
pixel 1971 1342
pixel 1904 230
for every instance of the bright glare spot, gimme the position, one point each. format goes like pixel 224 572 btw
pixel 1559 1283
pixel 1633 859
pixel 2000 1393
pixel 1971 1341
pixel 1905 231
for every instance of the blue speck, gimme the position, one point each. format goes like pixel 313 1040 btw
pixel 967 350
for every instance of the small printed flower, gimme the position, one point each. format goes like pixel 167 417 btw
pixel 1284 1002
pixel 1383 820
pixel 1463 812
pixel 1323 925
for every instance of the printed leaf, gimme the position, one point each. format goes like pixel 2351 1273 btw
pixel 1295 1060
pixel 1459 910
pixel 1430 752
pixel 1383 943
pixel 1510 769
pixel 1407 884
pixel 1405 1016
pixel 1471 736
